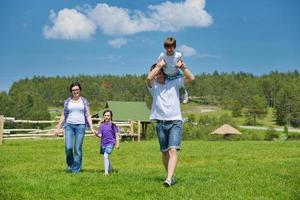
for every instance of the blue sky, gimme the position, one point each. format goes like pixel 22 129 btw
pixel 68 37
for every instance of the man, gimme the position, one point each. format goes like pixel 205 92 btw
pixel 166 113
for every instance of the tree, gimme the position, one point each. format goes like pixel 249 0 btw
pixel 257 108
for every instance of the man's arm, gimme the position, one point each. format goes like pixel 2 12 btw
pixel 189 77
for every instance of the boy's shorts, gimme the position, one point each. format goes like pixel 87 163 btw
pixel 107 149
pixel 169 134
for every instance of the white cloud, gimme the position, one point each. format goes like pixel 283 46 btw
pixel 120 21
pixel 69 24
pixel 113 20
pixel 187 51
pixel 176 16
pixel 117 43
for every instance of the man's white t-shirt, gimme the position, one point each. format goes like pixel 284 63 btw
pixel 171 61
pixel 166 104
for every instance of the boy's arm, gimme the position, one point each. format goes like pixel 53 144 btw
pixel 152 73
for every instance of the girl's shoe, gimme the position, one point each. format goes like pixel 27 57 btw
pixel 105 174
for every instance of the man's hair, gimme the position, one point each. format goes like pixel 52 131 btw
pixel 75 84
pixel 154 65
pixel 170 42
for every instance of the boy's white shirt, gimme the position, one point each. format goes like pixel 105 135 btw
pixel 166 104
pixel 171 61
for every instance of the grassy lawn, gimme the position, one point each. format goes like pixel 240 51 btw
pixel 34 169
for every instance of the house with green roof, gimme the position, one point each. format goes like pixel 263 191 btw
pixel 124 111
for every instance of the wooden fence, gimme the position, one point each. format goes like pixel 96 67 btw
pixel 127 129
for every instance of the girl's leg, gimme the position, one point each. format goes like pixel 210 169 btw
pixel 110 168
pixel 106 163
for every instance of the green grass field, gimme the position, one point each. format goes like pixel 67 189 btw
pixel 34 169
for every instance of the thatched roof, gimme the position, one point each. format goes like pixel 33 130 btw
pixel 226 129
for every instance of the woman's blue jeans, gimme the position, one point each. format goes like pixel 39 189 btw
pixel 74 134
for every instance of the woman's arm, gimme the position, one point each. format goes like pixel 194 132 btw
pixel 58 127
pixel 90 121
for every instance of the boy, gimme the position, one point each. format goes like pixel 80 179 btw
pixel 173 61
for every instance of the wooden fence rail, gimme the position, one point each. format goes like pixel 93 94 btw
pixel 126 129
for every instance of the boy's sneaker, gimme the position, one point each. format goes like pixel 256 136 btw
pixel 168 183
pixel 185 97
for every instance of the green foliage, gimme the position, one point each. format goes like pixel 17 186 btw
pixel 4 104
pixel 257 108
pixel 23 105
pixel 272 134
pixel 233 91
pixel 293 136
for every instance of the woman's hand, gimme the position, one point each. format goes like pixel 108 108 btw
pixel 56 132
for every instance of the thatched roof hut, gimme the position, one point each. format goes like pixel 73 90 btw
pixel 226 129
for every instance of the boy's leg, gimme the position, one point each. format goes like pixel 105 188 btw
pixel 185 96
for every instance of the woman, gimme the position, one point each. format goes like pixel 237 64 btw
pixel 75 118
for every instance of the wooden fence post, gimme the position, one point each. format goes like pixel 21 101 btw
pixel 139 131
pixel 1 128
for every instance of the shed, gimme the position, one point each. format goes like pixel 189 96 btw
pixel 225 130
pixel 124 111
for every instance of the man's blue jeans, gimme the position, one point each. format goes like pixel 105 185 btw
pixel 74 134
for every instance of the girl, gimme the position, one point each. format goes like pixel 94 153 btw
pixel 109 134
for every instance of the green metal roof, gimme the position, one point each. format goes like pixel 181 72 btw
pixel 128 110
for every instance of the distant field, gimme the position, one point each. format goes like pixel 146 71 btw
pixel 34 169
pixel 197 110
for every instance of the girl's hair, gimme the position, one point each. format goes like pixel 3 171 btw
pixel 111 118
pixel 170 42
pixel 110 112
pixel 75 84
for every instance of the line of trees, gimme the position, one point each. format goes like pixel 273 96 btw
pixel 242 93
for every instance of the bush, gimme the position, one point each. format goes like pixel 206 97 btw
pixel 271 134
pixel 293 136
